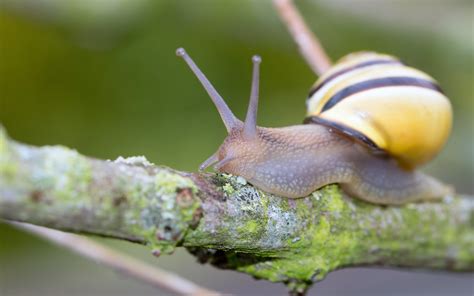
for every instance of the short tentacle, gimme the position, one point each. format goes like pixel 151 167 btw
pixel 250 126
pixel 208 162
pixel 223 162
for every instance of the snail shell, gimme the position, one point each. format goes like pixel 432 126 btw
pixel 386 105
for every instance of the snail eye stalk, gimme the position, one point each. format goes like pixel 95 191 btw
pixel 250 125
pixel 230 121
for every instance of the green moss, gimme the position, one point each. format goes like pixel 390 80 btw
pixel 322 232
pixel 284 204
pixel 336 204
pixel 8 168
pixel 251 226
pixel 312 251
pixel 228 189
pixel 167 181
pixel 166 210
pixel 3 141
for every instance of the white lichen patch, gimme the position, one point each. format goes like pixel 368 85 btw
pixel 448 199
pixel 66 171
pixel 237 182
pixel 317 195
pixel 296 239
pixel 241 181
pixel 281 224
pixel 134 160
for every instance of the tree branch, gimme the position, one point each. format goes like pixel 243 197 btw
pixel 227 222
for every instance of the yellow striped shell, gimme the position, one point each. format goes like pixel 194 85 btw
pixel 387 105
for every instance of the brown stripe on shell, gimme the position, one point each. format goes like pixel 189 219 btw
pixel 349 132
pixel 377 83
pixel 346 70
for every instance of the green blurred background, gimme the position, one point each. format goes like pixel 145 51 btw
pixel 101 76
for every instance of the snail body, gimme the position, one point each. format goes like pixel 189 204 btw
pixel 296 160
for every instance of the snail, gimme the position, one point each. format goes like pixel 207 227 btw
pixel 371 121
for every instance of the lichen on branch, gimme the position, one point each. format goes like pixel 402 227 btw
pixel 127 199
pixel 225 221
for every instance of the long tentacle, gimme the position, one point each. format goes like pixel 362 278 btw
pixel 227 116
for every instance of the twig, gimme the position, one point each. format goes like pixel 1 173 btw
pixel 308 43
pixel 118 261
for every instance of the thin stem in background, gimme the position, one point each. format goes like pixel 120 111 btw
pixel 309 45
pixel 118 261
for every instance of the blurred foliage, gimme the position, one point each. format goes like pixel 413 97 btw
pixel 92 23
pixel 107 83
